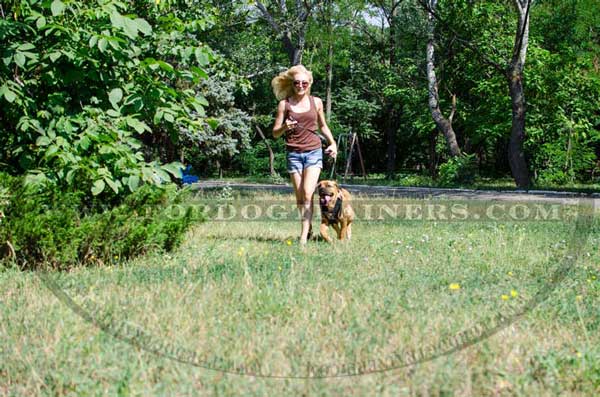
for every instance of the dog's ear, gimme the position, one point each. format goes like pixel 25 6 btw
pixel 336 185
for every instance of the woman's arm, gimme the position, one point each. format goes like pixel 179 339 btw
pixel 332 148
pixel 282 125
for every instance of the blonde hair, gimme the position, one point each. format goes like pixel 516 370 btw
pixel 283 85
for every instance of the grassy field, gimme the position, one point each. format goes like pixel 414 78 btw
pixel 245 297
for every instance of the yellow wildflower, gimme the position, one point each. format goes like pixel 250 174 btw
pixel 454 286
pixel 289 242
pixel 504 297
pixel 514 293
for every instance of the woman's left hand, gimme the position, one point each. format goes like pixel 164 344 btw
pixel 331 150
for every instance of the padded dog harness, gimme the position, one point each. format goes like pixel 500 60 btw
pixel 333 214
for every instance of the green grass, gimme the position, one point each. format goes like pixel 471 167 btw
pixel 248 294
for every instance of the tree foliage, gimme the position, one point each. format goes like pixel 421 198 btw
pixel 106 94
pixel 83 83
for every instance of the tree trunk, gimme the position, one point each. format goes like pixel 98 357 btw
pixel 271 155
pixel 391 128
pixel 390 139
pixel 329 68
pixel 299 51
pixel 516 155
pixel 432 152
pixel 442 123
pixel 294 54
pixel 393 43
pixel 327 20
pixel 329 65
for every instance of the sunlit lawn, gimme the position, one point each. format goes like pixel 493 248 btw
pixel 245 295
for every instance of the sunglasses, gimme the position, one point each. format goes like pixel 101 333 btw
pixel 299 83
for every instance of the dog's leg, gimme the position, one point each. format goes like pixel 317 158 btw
pixel 325 231
pixel 349 231
pixel 344 229
pixel 336 226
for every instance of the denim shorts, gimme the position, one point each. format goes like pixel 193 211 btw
pixel 298 162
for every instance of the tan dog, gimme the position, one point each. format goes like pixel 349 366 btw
pixel 335 210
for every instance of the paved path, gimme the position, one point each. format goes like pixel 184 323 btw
pixel 420 192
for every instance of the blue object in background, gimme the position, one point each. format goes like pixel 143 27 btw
pixel 188 178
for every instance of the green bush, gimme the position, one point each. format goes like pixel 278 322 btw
pixel 98 96
pixel 62 230
pixel 458 171
pixel 255 160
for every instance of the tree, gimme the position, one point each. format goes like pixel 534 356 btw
pixel 82 85
pixel 389 10
pixel 514 74
pixel 442 123
pixel 512 70
pixel 326 17
pixel 290 23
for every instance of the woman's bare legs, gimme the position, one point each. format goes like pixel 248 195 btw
pixel 304 189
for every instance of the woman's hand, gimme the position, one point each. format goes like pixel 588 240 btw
pixel 282 124
pixel 290 124
pixel 331 150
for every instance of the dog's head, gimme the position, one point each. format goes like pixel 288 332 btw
pixel 328 193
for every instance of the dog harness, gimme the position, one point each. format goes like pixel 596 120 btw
pixel 333 214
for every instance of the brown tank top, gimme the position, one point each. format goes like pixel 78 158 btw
pixel 303 137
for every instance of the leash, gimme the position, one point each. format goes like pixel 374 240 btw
pixel 335 158
pixel 332 168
